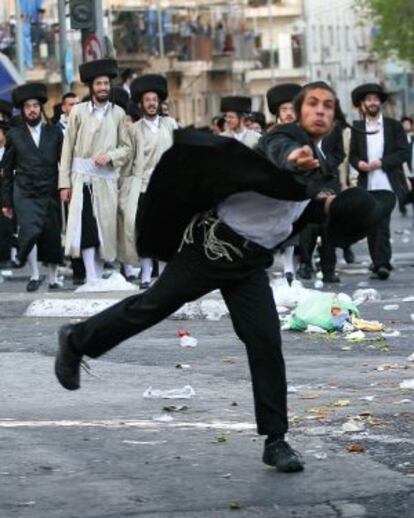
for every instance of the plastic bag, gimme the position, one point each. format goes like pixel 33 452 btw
pixel 316 310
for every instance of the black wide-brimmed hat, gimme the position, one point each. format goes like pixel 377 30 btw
pixel 280 94
pixel 355 212
pixel 120 97
pixel 236 103
pixel 100 67
pixel 149 83
pixel 23 93
pixel 361 91
pixel 6 108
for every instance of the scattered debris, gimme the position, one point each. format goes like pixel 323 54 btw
pixel 403 402
pixel 188 341
pixel 181 393
pixel 356 448
pixel 370 326
pixel 235 505
pixel 353 426
pixel 391 334
pixel 341 403
pixel 175 408
pixel 318 284
pixel 222 438
pixel 365 295
pixel 408 299
pixel 407 384
pixel 411 358
pixel 356 335
pixel 321 456
pixel 315 329
pixel 143 443
pixel 183 366
pixel 391 307
pixel 229 359
pixel 367 398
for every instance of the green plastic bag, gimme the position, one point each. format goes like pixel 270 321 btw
pixel 316 310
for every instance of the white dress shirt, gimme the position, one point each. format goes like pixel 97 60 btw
pixel 2 153
pixel 377 179
pixel 99 111
pixel 153 124
pixel 35 132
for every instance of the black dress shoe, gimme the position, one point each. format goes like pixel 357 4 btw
pixel 55 286
pixel 331 277
pixel 349 255
pixel 305 271
pixel 144 285
pixel 33 285
pixel 383 273
pixel 280 455
pixel 78 281
pixel 68 361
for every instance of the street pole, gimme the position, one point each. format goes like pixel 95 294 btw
pixel 160 36
pixel 19 41
pixel 271 42
pixel 99 29
pixel 63 45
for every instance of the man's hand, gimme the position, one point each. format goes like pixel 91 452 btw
pixel 66 195
pixel 375 164
pixel 303 158
pixel 364 166
pixel 102 159
pixel 7 212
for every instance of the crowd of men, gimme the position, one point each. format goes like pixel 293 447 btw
pixel 74 190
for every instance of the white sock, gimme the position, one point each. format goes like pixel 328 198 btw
pixel 13 253
pixel 129 270
pixel 53 273
pixel 34 267
pixel 287 258
pixel 146 269
pixel 88 256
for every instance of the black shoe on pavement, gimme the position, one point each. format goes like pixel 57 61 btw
pixel 280 455
pixel 78 281
pixel 349 255
pixel 331 277
pixel 305 271
pixel 144 285
pixel 33 285
pixel 383 273
pixel 55 286
pixel 68 362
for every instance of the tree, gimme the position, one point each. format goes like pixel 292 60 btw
pixel 394 20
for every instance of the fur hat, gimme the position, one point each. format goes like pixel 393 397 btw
pixel 238 104
pixel 6 108
pixel 280 94
pixel 361 91
pixel 149 83
pixel 100 67
pixel 23 93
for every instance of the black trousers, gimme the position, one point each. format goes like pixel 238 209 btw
pixel 307 243
pixel 379 242
pixel 6 238
pixel 89 233
pixel 189 275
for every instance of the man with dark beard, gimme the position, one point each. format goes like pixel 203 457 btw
pixel 30 185
pixel 95 147
pixel 379 158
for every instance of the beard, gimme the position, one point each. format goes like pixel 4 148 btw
pixel 101 97
pixel 33 122
pixel 372 111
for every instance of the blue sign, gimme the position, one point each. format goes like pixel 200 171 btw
pixel 69 71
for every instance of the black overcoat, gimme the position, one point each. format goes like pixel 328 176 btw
pixel 29 187
pixel 200 170
pixel 396 152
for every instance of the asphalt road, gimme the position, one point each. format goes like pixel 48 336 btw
pixel 106 451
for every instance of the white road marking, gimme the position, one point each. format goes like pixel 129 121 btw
pixel 126 423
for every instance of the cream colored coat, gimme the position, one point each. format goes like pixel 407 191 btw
pixel 148 148
pixel 87 136
pixel 250 138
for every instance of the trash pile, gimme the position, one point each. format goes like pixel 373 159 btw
pixel 313 311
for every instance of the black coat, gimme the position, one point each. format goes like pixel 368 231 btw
pixel 200 170
pixel 333 149
pixel 33 169
pixel 396 152
pixel 29 186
